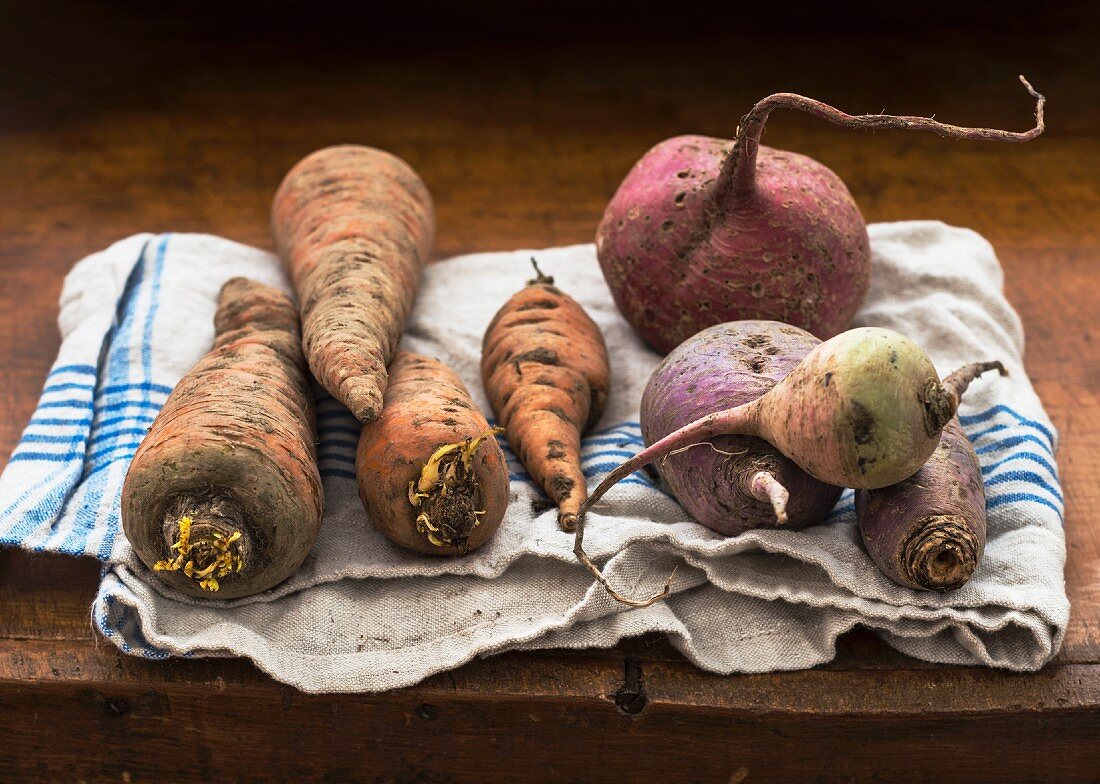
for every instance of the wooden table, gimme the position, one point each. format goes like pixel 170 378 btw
pixel 523 122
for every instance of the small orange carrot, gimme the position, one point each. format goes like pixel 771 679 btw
pixel 544 366
pixel 431 474
pixel 223 495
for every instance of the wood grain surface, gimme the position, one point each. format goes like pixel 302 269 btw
pixel 522 120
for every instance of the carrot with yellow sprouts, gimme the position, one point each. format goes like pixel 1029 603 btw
pixel 354 226
pixel 431 473
pixel 223 497
pixel 544 366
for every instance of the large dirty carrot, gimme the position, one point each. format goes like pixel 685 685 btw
pixel 544 366
pixel 431 473
pixel 223 498
pixel 354 226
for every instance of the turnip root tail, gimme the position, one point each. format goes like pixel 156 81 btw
pixel 942 554
pixel 718 423
pixel 765 487
pixel 738 176
pixel 582 556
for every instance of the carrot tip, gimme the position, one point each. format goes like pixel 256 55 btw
pixel 568 521
pixel 362 396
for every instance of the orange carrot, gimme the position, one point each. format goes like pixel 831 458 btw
pixel 431 474
pixel 544 366
pixel 224 494
pixel 354 226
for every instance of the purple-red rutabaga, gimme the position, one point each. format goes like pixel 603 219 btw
pixel 704 231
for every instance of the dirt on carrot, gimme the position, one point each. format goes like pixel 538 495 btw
pixel 431 474
pixel 223 498
pixel 545 368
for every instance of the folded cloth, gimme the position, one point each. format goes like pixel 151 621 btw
pixel 363 615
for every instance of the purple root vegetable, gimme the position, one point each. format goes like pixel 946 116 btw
pixel 863 409
pixel 703 231
pixel 928 531
pixel 740 482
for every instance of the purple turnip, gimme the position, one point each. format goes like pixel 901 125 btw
pixel 740 482
pixel 704 231
pixel 928 531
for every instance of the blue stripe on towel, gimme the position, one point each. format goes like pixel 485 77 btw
pixel 118 367
pixel 1024 455
pixel 35 512
pixel 113 619
pixel 1029 477
pixel 1015 440
pixel 87 370
pixel 114 517
pixel 67 386
pixel 609 453
pixel 989 413
pixel 1017 498
pixel 620 440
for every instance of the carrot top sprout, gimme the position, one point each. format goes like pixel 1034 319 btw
pixel 448 517
pixel 210 555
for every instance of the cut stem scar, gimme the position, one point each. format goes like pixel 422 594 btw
pixel 941 399
pixel 205 557
pixel 941 554
pixel 447 491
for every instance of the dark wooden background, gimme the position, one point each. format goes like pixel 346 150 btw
pixel 118 117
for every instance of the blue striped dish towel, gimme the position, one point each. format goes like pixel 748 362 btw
pixel 362 615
